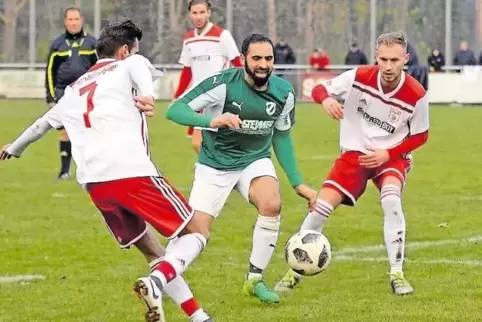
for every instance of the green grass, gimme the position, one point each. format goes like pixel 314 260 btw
pixel 52 228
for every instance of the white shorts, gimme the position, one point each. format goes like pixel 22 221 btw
pixel 211 187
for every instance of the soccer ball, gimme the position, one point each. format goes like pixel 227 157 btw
pixel 308 252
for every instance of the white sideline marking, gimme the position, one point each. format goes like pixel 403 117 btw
pixel 464 262
pixel 421 244
pixel 20 278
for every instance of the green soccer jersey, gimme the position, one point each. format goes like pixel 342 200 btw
pixel 261 113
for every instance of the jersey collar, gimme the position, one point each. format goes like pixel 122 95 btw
pixel 380 88
pixel 205 31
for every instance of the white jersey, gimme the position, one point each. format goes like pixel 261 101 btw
pixel 108 133
pixel 374 119
pixel 208 53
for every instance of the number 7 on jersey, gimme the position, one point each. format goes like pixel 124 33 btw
pixel 90 89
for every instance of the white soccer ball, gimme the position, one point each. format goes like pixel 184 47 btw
pixel 308 252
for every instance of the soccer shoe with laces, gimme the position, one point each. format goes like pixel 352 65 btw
pixel 399 284
pixel 146 289
pixel 288 282
pixel 257 287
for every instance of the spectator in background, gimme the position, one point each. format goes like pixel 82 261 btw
pixel 355 56
pixel 319 60
pixel 415 69
pixel 464 56
pixel 413 57
pixel 283 54
pixel 436 60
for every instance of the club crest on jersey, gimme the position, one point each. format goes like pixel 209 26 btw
pixel 270 108
pixel 394 115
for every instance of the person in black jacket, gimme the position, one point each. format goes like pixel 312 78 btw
pixel 71 55
pixel 355 56
pixel 436 61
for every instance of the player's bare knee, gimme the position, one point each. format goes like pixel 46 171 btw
pixel 269 207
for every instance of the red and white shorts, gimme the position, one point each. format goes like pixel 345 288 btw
pixel 350 179
pixel 127 204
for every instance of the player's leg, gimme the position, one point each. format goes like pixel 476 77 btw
pixel 345 183
pixel 259 185
pixel 126 205
pixel 196 140
pixel 178 290
pixel 210 190
pixel 128 229
pixel 390 179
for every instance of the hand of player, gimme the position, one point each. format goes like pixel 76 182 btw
pixel 226 120
pixel 308 193
pixel 374 158
pixel 333 108
pixel 145 104
pixel 4 154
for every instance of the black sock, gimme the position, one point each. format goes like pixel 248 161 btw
pixel 65 155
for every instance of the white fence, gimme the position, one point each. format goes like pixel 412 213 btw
pixel 454 86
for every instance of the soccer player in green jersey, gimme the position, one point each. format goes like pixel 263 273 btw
pixel 258 111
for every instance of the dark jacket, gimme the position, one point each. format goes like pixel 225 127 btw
pixel 464 58
pixel 284 55
pixel 413 57
pixel 436 62
pixel 70 56
pixel 356 58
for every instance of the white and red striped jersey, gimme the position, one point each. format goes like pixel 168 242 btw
pixel 374 119
pixel 108 133
pixel 209 52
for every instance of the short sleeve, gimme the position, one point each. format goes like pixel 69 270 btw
pixel 229 45
pixel 419 122
pixel 339 86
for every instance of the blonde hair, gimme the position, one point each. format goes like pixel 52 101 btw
pixel 393 38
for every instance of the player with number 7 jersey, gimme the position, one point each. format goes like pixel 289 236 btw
pixel 111 150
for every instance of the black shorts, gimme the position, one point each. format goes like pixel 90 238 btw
pixel 59 93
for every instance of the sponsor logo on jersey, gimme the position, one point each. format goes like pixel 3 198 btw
pixel 202 57
pixel 255 127
pixel 376 121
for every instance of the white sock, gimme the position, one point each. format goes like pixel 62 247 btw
pixel 265 237
pixel 179 255
pixel 315 220
pixel 394 226
pixel 177 289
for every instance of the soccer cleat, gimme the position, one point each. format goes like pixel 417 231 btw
pixel 147 289
pixel 400 285
pixel 257 287
pixel 288 282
